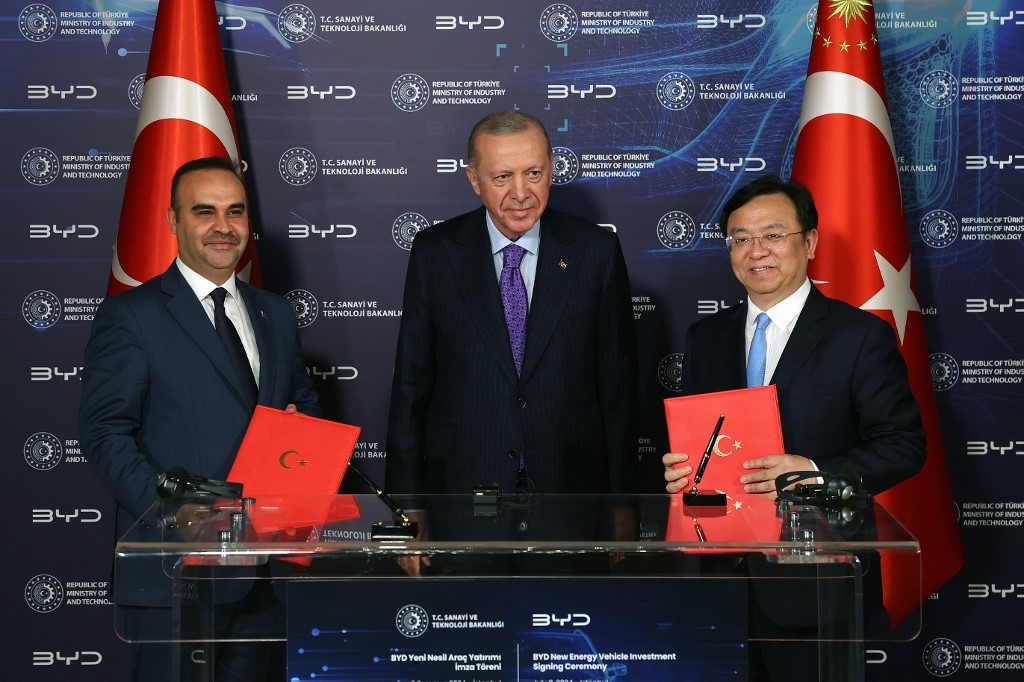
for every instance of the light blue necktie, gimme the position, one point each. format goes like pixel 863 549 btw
pixel 758 357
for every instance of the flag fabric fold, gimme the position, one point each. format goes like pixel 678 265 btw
pixel 846 155
pixel 186 113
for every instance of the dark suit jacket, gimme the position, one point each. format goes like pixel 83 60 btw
pixel 460 415
pixel 843 391
pixel 159 391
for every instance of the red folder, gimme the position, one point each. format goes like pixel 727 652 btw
pixel 751 429
pixel 292 464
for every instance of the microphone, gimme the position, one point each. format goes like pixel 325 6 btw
pixel 178 484
pixel 405 528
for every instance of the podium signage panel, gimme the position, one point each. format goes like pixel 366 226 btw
pixel 540 629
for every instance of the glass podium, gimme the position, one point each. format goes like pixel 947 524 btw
pixel 526 587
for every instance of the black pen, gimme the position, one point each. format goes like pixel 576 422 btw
pixel 707 451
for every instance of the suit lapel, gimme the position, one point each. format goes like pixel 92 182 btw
pixel 188 312
pixel 558 248
pixel 262 327
pixel 472 263
pixel 734 346
pixel 807 333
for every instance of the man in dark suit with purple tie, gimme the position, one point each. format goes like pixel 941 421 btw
pixel 475 400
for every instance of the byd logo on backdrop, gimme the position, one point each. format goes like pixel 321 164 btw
pixel 599 91
pixel 39 373
pixel 709 164
pixel 722 21
pixel 980 448
pixel 984 591
pixel 1014 18
pixel 230 23
pixel 339 372
pixel 977 163
pixel 576 620
pixel 78 231
pixel 306 230
pixel 48 658
pixel 451 165
pixel 72 92
pixel 984 305
pixel 328 92
pixel 710 307
pixel 450 23
pixel 54 515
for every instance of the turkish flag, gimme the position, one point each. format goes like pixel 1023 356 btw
pixel 186 114
pixel 846 155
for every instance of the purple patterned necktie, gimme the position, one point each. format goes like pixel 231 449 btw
pixel 513 297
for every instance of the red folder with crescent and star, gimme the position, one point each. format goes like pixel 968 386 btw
pixel 751 428
pixel 292 464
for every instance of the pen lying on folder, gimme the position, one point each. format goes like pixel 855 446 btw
pixel 708 450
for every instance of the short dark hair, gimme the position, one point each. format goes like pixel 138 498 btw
pixel 205 163
pixel 503 123
pixel 806 213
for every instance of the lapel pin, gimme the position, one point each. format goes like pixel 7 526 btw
pixel 263 314
pixel 562 264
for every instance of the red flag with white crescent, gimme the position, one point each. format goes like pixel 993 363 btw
pixel 186 114
pixel 846 155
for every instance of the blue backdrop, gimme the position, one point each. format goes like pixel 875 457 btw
pixel 353 118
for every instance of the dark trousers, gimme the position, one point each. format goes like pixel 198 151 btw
pixel 159 655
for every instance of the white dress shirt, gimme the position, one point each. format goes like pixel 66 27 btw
pixel 234 306
pixel 783 316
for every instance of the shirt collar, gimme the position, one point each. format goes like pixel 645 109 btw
pixel 202 286
pixel 529 241
pixel 784 313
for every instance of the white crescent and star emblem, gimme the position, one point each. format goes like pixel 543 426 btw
pixel 736 445
pixel 284 456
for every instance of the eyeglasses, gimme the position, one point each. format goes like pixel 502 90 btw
pixel 768 241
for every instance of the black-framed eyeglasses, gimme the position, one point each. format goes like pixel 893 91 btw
pixel 770 240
